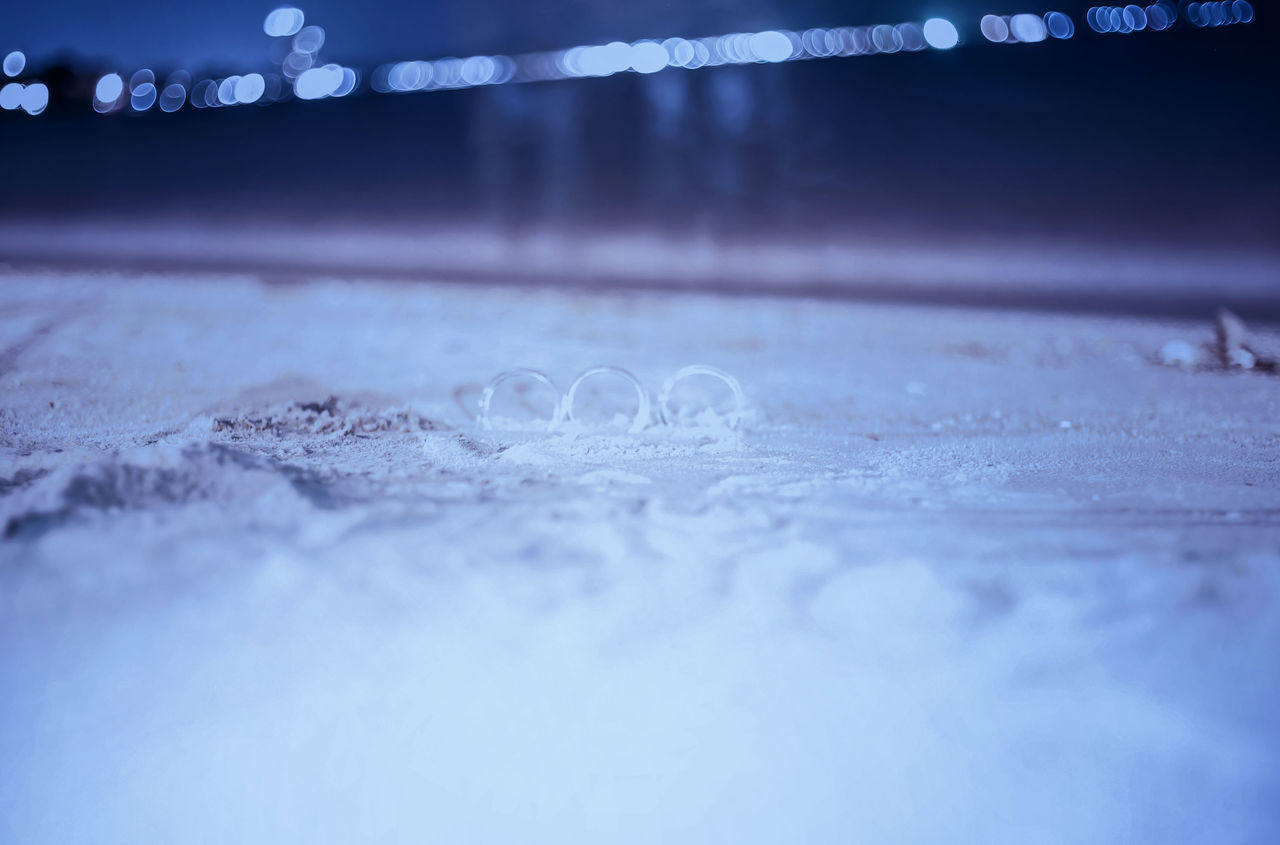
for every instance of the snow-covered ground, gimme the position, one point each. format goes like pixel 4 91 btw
pixel 961 576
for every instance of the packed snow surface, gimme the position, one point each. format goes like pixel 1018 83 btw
pixel 958 576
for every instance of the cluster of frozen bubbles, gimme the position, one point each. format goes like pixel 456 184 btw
pixel 562 414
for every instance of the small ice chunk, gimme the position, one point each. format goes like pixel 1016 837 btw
pixel 916 388
pixel 1179 353
pixel 1242 358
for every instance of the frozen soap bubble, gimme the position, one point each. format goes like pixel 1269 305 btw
pixel 643 414
pixel 678 405
pixel 490 422
pixel 691 398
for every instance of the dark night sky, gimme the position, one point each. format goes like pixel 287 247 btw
pixel 229 32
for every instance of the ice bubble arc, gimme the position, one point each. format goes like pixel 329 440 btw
pixel 734 418
pixel 643 409
pixel 486 398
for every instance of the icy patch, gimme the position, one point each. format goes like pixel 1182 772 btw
pixel 278 623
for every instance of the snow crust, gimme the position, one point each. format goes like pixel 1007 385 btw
pixel 958 577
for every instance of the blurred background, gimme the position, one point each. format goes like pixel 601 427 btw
pixel 1109 157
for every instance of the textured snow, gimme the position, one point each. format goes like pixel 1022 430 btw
pixel 960 576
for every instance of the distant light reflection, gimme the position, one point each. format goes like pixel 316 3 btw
pixel 448 72
pixel 771 46
pixel 1222 13
pixel 350 79
pixel 309 39
pixel 911 36
pixel 227 91
pixel 14 63
pixel 607 60
pixel 941 34
pixel 202 92
pixel 318 82
pixel 32 99
pixel 886 38
pixel 300 72
pixel 1059 25
pixel 651 56
pixel 1028 29
pixel 680 52
pixel 477 70
pixel 11 96
pixel 648 57
pixel 295 63
pixel 249 88
pixel 141 77
pixel 816 44
pixel 274 90
pixel 35 98
pixel 106 94
pixel 172 97
pixel 143 96
pixel 283 22
pixel 1123 20
pixel 994 28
